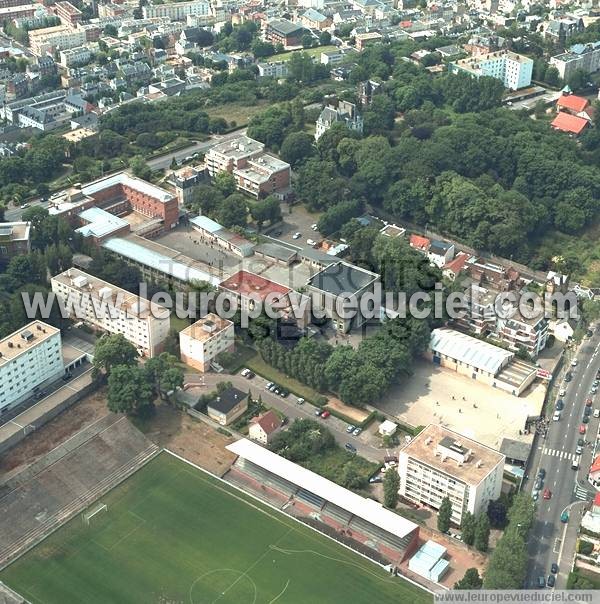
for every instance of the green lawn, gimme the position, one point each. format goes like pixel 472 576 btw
pixel 175 534
pixel 313 52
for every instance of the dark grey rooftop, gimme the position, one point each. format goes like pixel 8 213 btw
pixel 227 400
pixel 342 278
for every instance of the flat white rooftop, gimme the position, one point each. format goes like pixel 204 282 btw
pixel 367 509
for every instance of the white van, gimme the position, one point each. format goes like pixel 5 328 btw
pixel 556 416
pixel 575 464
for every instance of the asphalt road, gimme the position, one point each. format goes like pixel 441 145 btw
pixel 14 214
pixel 164 161
pixel 550 539
pixel 289 406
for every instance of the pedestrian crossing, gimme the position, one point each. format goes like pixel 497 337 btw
pixel 581 493
pixel 566 455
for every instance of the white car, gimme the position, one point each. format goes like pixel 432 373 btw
pixel 562 392
pixel 296 235
pixel 244 372
pixel 556 416
pixel 311 242
pixel 574 363
pixel 596 412
pixel 313 226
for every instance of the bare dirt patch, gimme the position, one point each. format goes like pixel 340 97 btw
pixel 56 431
pixel 357 415
pixel 193 440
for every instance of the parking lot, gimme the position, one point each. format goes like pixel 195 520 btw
pixel 366 443
pixel 485 414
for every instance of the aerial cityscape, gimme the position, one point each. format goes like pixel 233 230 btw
pixel 300 301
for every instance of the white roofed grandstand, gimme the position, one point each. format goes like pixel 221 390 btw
pixel 320 491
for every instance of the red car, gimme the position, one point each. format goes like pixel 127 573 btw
pixel 582 429
pixel 588 402
pixel 547 494
pixel 325 414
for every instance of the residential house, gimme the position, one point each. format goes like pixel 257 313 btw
pixel 570 124
pixel 574 105
pixel 230 404
pixel 264 427
pixel 440 253
pixel 313 19
pixel 342 112
pixel 584 57
pixel 14 240
pixel 417 242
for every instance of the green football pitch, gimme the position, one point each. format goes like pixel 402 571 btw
pixel 173 534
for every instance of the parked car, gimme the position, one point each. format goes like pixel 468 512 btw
pixel 578 450
pixel 580 442
pixel 574 363
pixel 585 419
pixel 556 416
pixel 551 580
pixel 562 392
pixel 24 206
pixel 300 401
pixel 350 428
pixel 596 412
pixel 375 479
pixel 568 376
pixel 554 568
pixel 587 410
pixel 244 372
pixel 268 385
pixel 560 405
pixel 350 447
pixel 539 483
pixel 314 227
pixel 318 412
pixel 357 431
pixel 325 414
pixel 564 517
pixel 582 429
pixel 594 390
pixel 541 582
pixel 296 235
pixel 283 393
pixel 588 402
pixel 311 242
pixel 547 494
pixel 536 495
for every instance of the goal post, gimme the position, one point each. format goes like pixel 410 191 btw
pixel 91 513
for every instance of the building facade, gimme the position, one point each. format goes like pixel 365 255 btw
pixel 30 358
pixel 109 308
pixel 177 11
pixel 60 37
pixel 440 463
pixel 201 342
pixel 513 70
pixel 14 240
pixel 342 112
pixel 580 56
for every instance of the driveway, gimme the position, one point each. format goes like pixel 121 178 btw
pixel 288 406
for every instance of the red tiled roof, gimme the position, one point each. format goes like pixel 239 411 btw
pixel 596 465
pixel 458 263
pixel 597 499
pixel 569 123
pixel 245 284
pixel 572 102
pixel 418 242
pixel 269 421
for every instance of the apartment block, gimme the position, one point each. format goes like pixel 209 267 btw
pixel 512 69
pixel 30 358
pixel 111 309
pixel 177 11
pixel 580 56
pixel 49 38
pixel 226 156
pixel 14 239
pixel 8 13
pixel 440 463
pixel 70 57
pixel 201 342
pixel 67 13
pixel 256 173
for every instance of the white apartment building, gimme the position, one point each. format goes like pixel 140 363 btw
pixel 114 310
pixel 273 69
pixel 61 37
pixel 512 69
pixel 177 11
pixel 579 56
pixel 29 358
pixel 440 463
pixel 226 156
pixel 202 341
pixel 75 56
